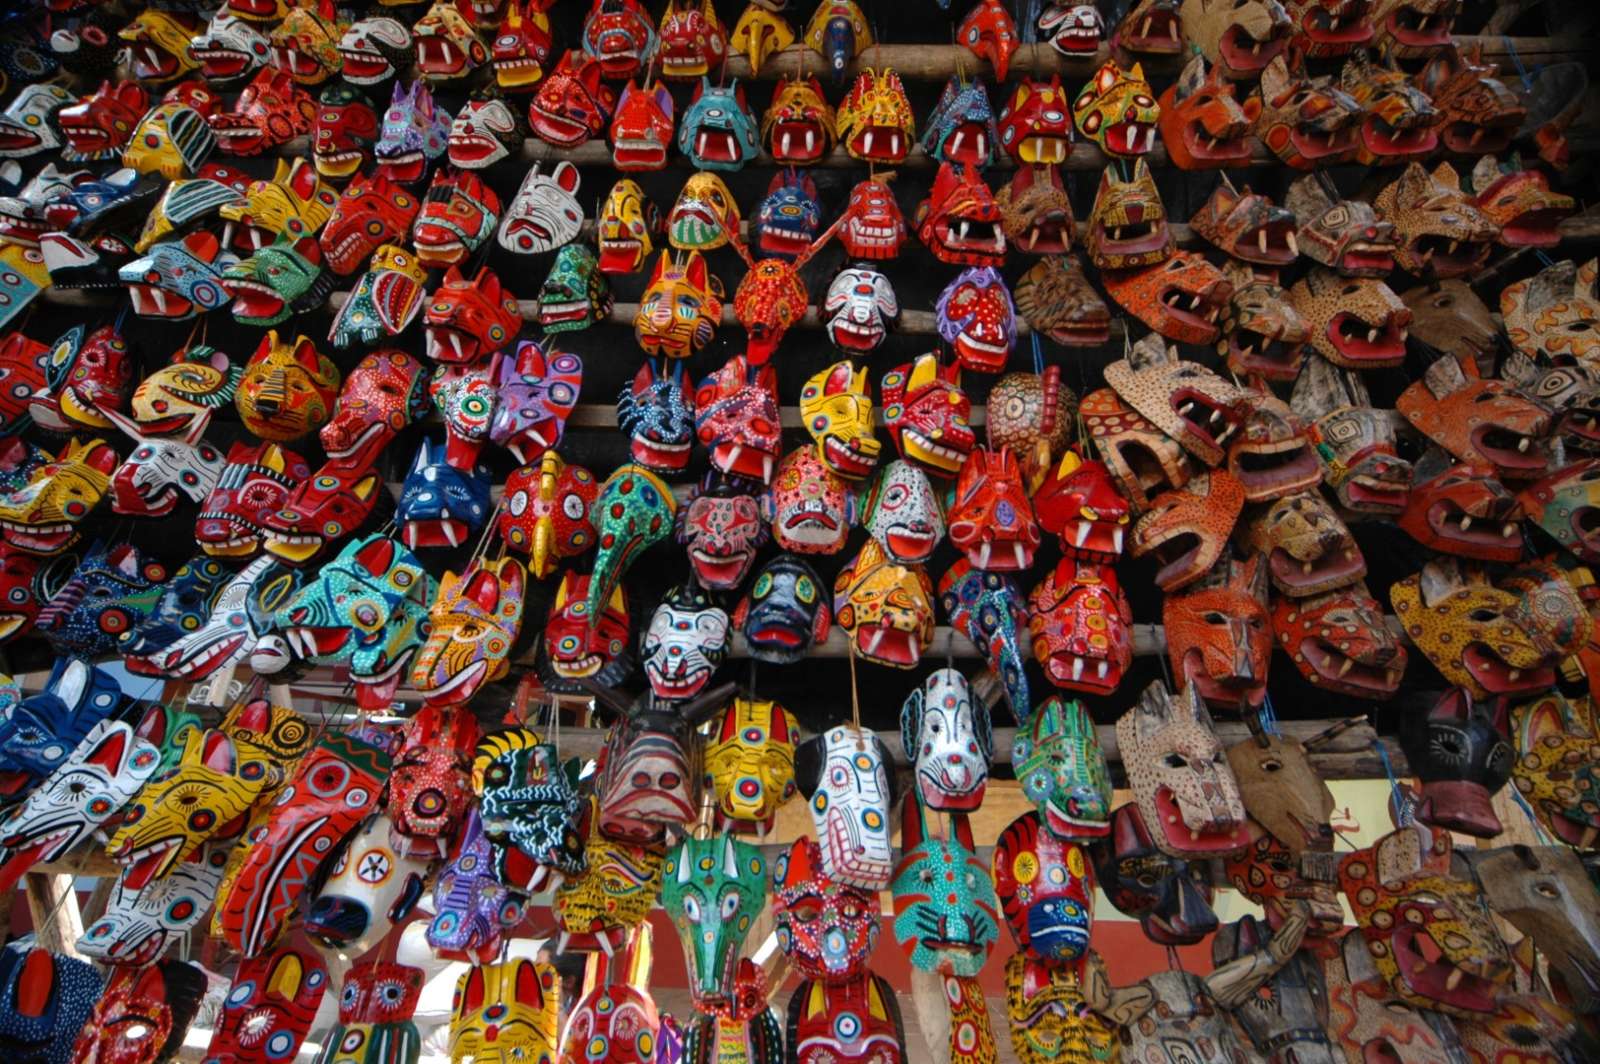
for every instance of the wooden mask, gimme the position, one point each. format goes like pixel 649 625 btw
pixel 1219 636
pixel 844 774
pixel 46 999
pixel 269 1006
pixel 507 1011
pixel 1180 777
pixel 945 906
pixel 1462 758
pixel 1558 748
pixel 1171 897
pixel 1283 792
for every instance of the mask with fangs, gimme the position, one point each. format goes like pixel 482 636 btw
pixel 721 529
pixel 430 787
pixel 903 513
pixel 1572 389
pixel 657 413
pixel 975 316
pixel 959 221
pixel 1078 501
pixel 927 414
pixel 693 40
pixel 159 44
pixel 448 47
pixel 1183 298
pixel 177 279
pixel 1032 414
pixel 573 648
pixel 705 215
pixel 441 504
pixel 85 375
pixel 1328 29
pixel 305 44
pixel 172 139
pixel 100 125
pixel 114 589
pixel 1462 760
pixel 270 112
pixel 1182 784
pixel 1274 456
pixel 1219 635
pixel 1307 122
pixel 459 211
pixel 1558 745
pixel 1309 548
pixel 1440 233
pixel 1240 38
pixel 279 280
pixel 961 129
pixel 1060 767
pixel 1187 528
pixel 1484 422
pixel 1247 226
pixel 838 31
pixel 860 308
pixel 991 519
pixel 1142 459
pixel 571 105
pixel 873 226
pixel 1356 322
pixel 641 130
pixel 468 320
pixel 886 609
pixel 1128 223
pixel 1072 27
pixel 1520 202
pixel 1117 110
pixel 1413 29
pixel 1202 124
pixel 475 621
pixel 1264 337
pixel 950 732
pixel 255 482
pixel 371 212
pixel 811 509
pixel 373 50
pixel 474 910
pixel 574 294
pixel 486 130
pixel 875 120
pixel 719 131
pixel 1340 642
pixel 1479 113
pixel 620 37
pixel 1081 627
pixel 1344 234
pixel 772 297
pixel 1400 122
pixel 1183 399
pixel 1148 27
pixel 343 132
pixel 836 409
pixel 1463 510
pixel 625 229
pixel 1056 299
pixel 537 391
pixel 798 126
pixel 685 642
pixel 759 34
pixel 1035 213
pixel 789 218
pixel 414 135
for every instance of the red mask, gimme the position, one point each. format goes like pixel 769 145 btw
pixel 1183 298
pixel 1187 529
pixel 1247 226
pixel 1463 510
pixel 1036 125
pixel 873 227
pixel 1274 455
pixel 1480 113
pixel 522 45
pixel 269 1006
pixel 991 519
pixel 142 1014
pixel 571 105
pixel 546 514
pixel 641 132
pixel 770 298
pixel 960 221
pixel 373 211
pixel 573 648
pixel 926 414
pixel 23 363
pixel 1327 28
pixel 324 509
pixel 98 126
pixel 693 40
pixel 1036 213
pixel 431 784
pixel 459 213
pixel 21 597
pixel 1487 423
pixel 84 374
pixel 1269 874
pixel 1078 501
pixel 1307 122
pixel 989 32
pixel 467 320
pixel 271 111
pixel 721 529
pixel 1340 642
pixel 736 416
pixel 621 36
pixel 1202 124
pixel 255 484
pixel 1218 635
pixel 1082 627
pixel 385 392
pixel 344 132
pixel 977 318
pixel 818 1037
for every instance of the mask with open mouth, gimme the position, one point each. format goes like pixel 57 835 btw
pixel 574 294
pixel 945 910
pixel 959 221
pixel 798 126
pixel 184 606
pixel 172 139
pixel 142 1015
pixel 572 648
pixel 531 808
pixel 1356 323
pixel 1035 213
pixel 1327 29
pixel 1117 110
pixel 950 733
pixel 1275 455
pixel 1520 202
pixel 1181 779
pixel 903 513
pixel 1400 122
pixel 49 999
pixel 1558 742
pixel 177 279
pixel 1264 337
pixel 785 613
pixel 1573 390
pixel 926 413
pixel 30 124
pixel 162 470
pixel 485 131
pixel 641 130
pixel 721 529
pixel 441 504
pixel 719 131
pixel 1307 122
pixel 345 130
pixel 280 280
pixel 860 308
pixel 875 121
pixel 459 212
pixel 685 643
pixel 255 482
pixel 385 392
pixel 385 300
pixel 1077 500
pixel 85 375
pixel 536 393
pixel 599 907
pixel 1556 313
pixel 415 133
pixel 1056 299
pixel 704 216
pixel 430 787
pixel 1413 29
pixel 1183 298
pixel 522 45
pixel 1247 226
pixel 159 43
pixel 26 583
pixel 571 105
pixel 1128 222
pixel 621 38
pixel 1148 27
pixel 24 363
pixel 977 318
pixel 113 589
pixel 838 31
pixel 810 508
pixel 305 44
pixel 625 229
pixel 961 129
pixel 139 925
pixel 1239 38
pixel 1187 528
pixel 448 47
pixel 271 111
pixel 42 516
pixel 1440 233
pixel 1344 234
pixel 1445 505
pixel 371 212
pixel 1462 760
pixel 872 225
pixel 1183 399
pixel 1219 636
pixel 1483 422
pixel 790 216
pixel 886 608
pixel 545 212
pixel 24 207
pixel 475 621
pixel 693 40
pixel 287 389
pixel 473 911
pixel 294 203
pixel 990 33
pixel 657 413
pixel 1429 933
pixel 1073 28
pixel 373 50
pixel 42 730
pixel 991 519
pixel 470 319
pixel 1567 506
pixel 1309 548
pixel 736 416
pixel 1046 889
pixel 987 608
pixel 836 409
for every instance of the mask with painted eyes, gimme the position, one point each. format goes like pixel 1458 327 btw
pixel 546 513
pixel 571 105
pixel 1060 767
pixel 99 126
pixel 989 32
pixel 903 513
pixel 42 730
pixel 530 805
pixel 991 519
pixel 885 608
pixel 759 34
pixel 1439 232
pixel 1308 122
pixel 680 309
pixel 430 786
pixel 713 889
pixel 1400 122
pixel 1441 502
pixel 827 928
pixel 599 907
pixel 1338 642
pixel 507 1008
pixel 545 212
pixel 960 222
pixel 459 211
pixel 172 140
pixel 255 482
pixel 373 50
pixel 114 589
pixel 950 733
pixel 1555 314
pixel 1171 897
pixel 641 130
pixel 574 649
pixel 860 308
pixel 306 43
pixel 385 301
pixel 722 529
pixel 977 318
pixel 279 993
pixel 447 44
pixel 657 412
pixel 376 1005
pixel 474 622
pixel 737 418
pixel 798 127
pixel 271 111
pixel 1117 110
pixel 369 886
pixel 1081 627
pixel 704 215
pixel 844 775
pixel 790 216
pixel 521 45
pixel 1128 222
pixel 625 228
pixel 1462 759
pixel 872 226
pixel 620 36
pixel 1183 298
pixel 1480 113
pixel 749 763
pixel 1355 442
pixel 1202 124
pixel 46 1000
pixel 371 212
pixel 926 412
pixel 1345 235
pixel 414 134
pixel 619 1020
pixel 1036 126
pixel 85 373
pixel 42 516
pixel 988 609
pixel 178 279
pixel 473 909
pixel 536 394
pixel 142 1015
pixel 1219 636
pixel 838 31
pixel 1046 889
pixel 810 508
pixel 634 511
pixel 685 643
pixel 693 42
pixel 323 510
pixel 785 613
pixel 139 925
pixel 1309 548
pixel 945 909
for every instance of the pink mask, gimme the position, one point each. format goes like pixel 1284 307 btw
pixel 809 506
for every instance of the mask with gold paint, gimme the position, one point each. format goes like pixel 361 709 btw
pixel 885 608
pixel 749 763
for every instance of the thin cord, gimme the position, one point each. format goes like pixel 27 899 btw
pixel 1402 808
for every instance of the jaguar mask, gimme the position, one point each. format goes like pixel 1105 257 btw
pixel 1338 642
pixel 1170 896
pixel 530 807
pixel 1462 759
pixel 255 482
pixel 844 774
pixel 837 411
pixel 599 908
pixel 681 307
pixel 1479 113
pixel 430 786
pixel 306 43
pixel 621 37
pixel 159 43
pixel 713 889
pixel 42 730
pixel 1345 235
pixel 1117 110
pixel 545 212
pixel 522 45
pixel 184 607
pixel 85 374
pixel 470 319
pixel 1554 314
pixel 415 134
pixel 1191 799
pixel 786 613
pixel 1081 627
pixel 693 40
pixel 990 517
pixel 945 911
pixel 810 508
pixel 172 139
pixel 798 127
pixel 1309 548
pixel 1274 456
pixel 1202 124
pixel 1241 39
pixel 1442 502
pixel 574 647
pixel 1521 203
pixel 376 1004
pixel 1356 323
pixel 1057 300
pixel 323 510
pixel 178 279
pixel 722 529
pixel 1488 423
pixel 641 130
pixel 142 1015
pixel 1440 233
pixel 685 643
pixel 537 393
pixel 571 105
pixel 1183 298
pixel 1219 635
pixel 1128 223
pixel 1059 765
pixel 737 418
pixel 459 212
pixel 1072 28
pixel 139 925
pixel 1428 933
pixel 278 281
pixel 926 413
pixel 977 319
pixel 872 226
pixel 475 620
pixel 99 126
pixel 1036 125
pixel 42 516
pixel 1556 738
pixel 1263 336
pixel 1182 399
pixel 386 299
pixel 626 228
pixel 1306 122
pixel 1247 226
pixel 372 211
pixel 749 764
pixel 473 909
pixel 448 47
pixel 1046 889
pixel 506 1010
pixel 1035 213
pixel 373 50
pixel 950 733
pixel 369 886
pixel 271 111
pixel 959 222
pixel 826 927
pixel 885 608
pixel 1400 123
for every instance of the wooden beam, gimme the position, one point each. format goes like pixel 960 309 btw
pixel 53 906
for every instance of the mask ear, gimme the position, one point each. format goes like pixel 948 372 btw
pixel 888 771
pixel 808 758
pixel 566 176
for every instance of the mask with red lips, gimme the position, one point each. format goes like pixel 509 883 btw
pixel 1081 627
pixel 1036 125
pixel 1078 501
pixel 991 519
pixel 469 319
pixel 430 786
pixel 459 211
pixel 1181 780
pixel 271 111
pixel 977 318
pixel 100 125
pixel 1128 222
pixel 385 392
pixel 371 212
pixel 485 131
pixel 1307 122
pixel 736 416
pixel 810 508
pixel 1183 298
pixel 1322 634
pixel 522 45
pixel 621 37
pixel 960 222
pixel 571 105
pixel 903 513
pixel 1355 322
pixel 926 413
pixel 721 528
pixel 1485 422
pixel 343 133
pixel 270 1005
pixel 1202 124
pixel 641 131
pixel 1463 510
pixel 1219 636
pixel 1308 546
pixel 873 227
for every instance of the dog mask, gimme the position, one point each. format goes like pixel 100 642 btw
pixel 1196 807
pixel 951 736
pixel 737 417
pixel 843 774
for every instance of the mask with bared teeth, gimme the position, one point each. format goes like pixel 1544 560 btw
pixel 1078 501
pixel 903 513
pixel 1520 202
pixel 1263 337
pixel 1035 211
pixel 1183 399
pixel 927 414
pixel 1187 529
pixel 1441 234
pixel 1142 459
pixel 1128 223
pixel 1567 506
pixel 1240 36
pixel 798 127
pixel 1355 322
pixel 1309 548
pixel 1340 642
pixel 1306 122
pixel 1183 298
pixel 960 222
pixel 1328 28
pixel 1219 636
pixel 1462 509
pixel 873 226
pixel 1400 120
pixel 1202 124
pixel 1081 627
pixel 1480 114
pixel 1355 442
pixel 1273 456
pixel 1181 781
pixel 1486 422
pixel 1345 234
pixel 1247 226
pixel 1117 110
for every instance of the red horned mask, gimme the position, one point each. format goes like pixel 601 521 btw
pixel 991 519
pixel 1082 627
pixel 469 319
pixel 1219 636
pixel 927 413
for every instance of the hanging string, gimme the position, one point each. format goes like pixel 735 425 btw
pixel 1038 353
pixel 1545 838
pixel 1269 718
pixel 1402 808
pixel 1174 962
pixel 855 698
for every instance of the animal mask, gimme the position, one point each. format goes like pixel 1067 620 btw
pixel 685 643
pixel 571 105
pixel 47 999
pixel 84 376
pixel 142 1014
pixel 713 890
pixel 788 219
pixel 657 412
pixel 321 511
pixel 255 483
pixel 960 222
pixel 183 607
pixel 172 139
pixel 1355 322
pixel 100 125
pixel 546 514
pixel 989 32
pixel 1344 234
pixel 270 112
pixel 369 886
pixel 1484 422
pixel 1219 636
pixel 458 213
pixel 749 764
pixel 600 908
pixel 1427 932
pixel 42 730
pixel 574 647
pixel 633 511
pixel 1479 114
pixel 926 413
pixel 951 736
pixel 810 508
pixel 1182 399
pixel 448 47
pixel 621 36
pixel 885 608
pixel 1117 110
pixel 722 529
pixel 1179 775
pixel 1247 226
pixel 875 121
pixel 1035 213
pixel 785 613
pixel 521 46
pixel 139 925
pixel 944 899
pixel 430 785
pixel 306 43
pixel 1128 223
pixel 160 45
pixel 473 908
pixel 1563 505
pixel 1240 39
pixel 1400 120
pixel 903 513
pixel 1554 313
pixel 1164 297
pixel 415 133
pixel 1170 896
pixel 1462 759
pixel 1309 549
pixel 376 1004
pixel 758 34
pixel 42 516
pixel 680 309
pixel 1032 415
pixel 475 619
pixel 736 416
pixel 1072 29
pixel 641 130
pixel 467 320
pixel 1035 127
pixel 178 279
pixel 1440 233
pixel 545 212
pixel 373 50
pixel 1263 335
pixel 1337 642
pixel 1056 299
pixel 1046 889
pixel 798 127
pixel 625 228
pixel 239 625
pixel 843 773
pixel 1202 124
pixel 112 590
pixel 838 31
pixel 872 225
pixel 1081 627
pixel 536 394
pixel 827 928
pixel 1307 122
pixel 506 1009
pixel 990 517
pixel 1520 202
pixel 693 41
pixel 1057 760
pixel 277 281
pixel 977 318
pixel 372 211
pixel 530 807
pixel 1440 504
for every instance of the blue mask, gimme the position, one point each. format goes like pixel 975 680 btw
pixel 441 505
pixel 791 215
pixel 719 132
pixel 43 729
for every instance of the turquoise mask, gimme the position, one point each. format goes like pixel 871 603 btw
pixel 713 889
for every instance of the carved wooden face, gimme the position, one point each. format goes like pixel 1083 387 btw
pixel 1283 792
pixel 713 889
pixel 826 927
pixel 1170 896
pixel 1180 776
